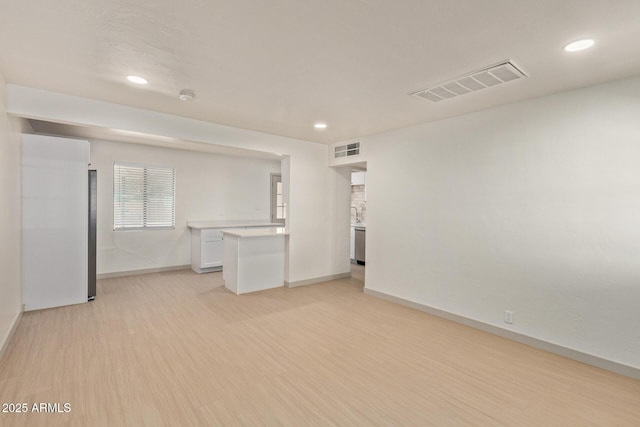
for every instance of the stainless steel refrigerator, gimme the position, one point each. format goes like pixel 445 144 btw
pixel 93 218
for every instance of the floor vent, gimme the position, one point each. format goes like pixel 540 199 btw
pixel 352 149
pixel 486 77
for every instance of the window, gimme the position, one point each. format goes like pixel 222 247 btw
pixel 278 207
pixel 143 197
pixel 352 149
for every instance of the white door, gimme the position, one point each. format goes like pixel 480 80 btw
pixel 54 221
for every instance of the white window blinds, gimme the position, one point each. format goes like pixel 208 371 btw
pixel 143 197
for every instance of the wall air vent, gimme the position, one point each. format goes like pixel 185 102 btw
pixel 486 77
pixel 351 149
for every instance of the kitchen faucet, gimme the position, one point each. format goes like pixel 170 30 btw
pixel 357 217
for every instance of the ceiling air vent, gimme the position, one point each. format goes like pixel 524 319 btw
pixel 471 82
pixel 352 149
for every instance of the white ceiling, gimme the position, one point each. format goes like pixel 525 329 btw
pixel 278 66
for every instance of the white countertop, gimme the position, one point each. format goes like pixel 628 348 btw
pixel 231 224
pixel 256 232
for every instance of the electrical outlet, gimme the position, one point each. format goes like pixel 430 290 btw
pixel 508 316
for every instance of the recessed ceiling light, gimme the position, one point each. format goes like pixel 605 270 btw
pixel 137 80
pixel 187 95
pixel 320 125
pixel 579 45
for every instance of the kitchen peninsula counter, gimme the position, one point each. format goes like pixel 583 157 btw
pixel 199 225
pixel 207 241
pixel 253 259
pixel 256 232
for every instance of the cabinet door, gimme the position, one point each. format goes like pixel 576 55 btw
pixel 212 248
pixel 352 246
pixel 358 178
pixel 361 236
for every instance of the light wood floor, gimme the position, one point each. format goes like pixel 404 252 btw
pixel 357 272
pixel 177 349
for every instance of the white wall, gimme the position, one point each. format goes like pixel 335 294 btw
pixel 208 187
pixel 318 195
pixel 10 222
pixel 532 207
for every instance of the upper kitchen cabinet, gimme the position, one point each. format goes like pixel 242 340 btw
pixel 358 178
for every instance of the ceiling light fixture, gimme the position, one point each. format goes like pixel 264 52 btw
pixel 137 80
pixel 187 95
pixel 320 125
pixel 579 45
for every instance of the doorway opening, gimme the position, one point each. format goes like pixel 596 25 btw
pixel 358 223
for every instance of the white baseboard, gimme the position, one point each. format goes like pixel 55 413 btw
pixel 144 271
pixel 206 270
pixel 4 345
pixel 317 280
pixel 598 362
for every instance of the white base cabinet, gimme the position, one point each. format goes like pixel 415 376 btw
pixel 207 250
pixel 253 260
pixel 352 246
